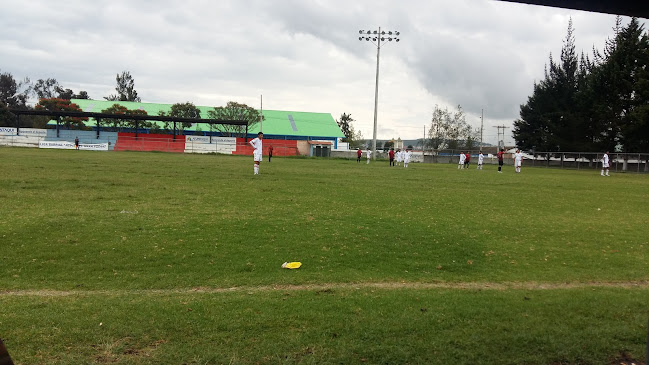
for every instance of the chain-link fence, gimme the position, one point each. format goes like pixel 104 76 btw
pixel 619 162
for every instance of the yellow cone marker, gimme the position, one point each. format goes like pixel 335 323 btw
pixel 291 265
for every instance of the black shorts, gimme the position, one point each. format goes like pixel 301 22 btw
pixel 500 162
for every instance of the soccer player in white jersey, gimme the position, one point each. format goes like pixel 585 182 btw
pixel 518 159
pixel 257 153
pixel 369 155
pixel 406 158
pixel 460 164
pixel 399 156
pixel 605 162
pixel 480 159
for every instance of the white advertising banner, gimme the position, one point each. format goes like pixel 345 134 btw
pixel 197 139
pixel 7 131
pixel 19 141
pixel 94 146
pixel 201 144
pixel 206 139
pixel 33 132
pixel 65 145
pixel 224 140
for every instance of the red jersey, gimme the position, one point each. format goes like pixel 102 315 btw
pixel 359 153
pixel 500 155
pixel 270 149
pixel 468 157
pixel 391 153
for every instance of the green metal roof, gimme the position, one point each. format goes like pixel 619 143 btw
pixel 276 122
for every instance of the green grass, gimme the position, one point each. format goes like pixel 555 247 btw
pixel 134 240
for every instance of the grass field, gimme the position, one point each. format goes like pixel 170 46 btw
pixel 157 258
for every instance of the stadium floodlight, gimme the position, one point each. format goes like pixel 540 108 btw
pixel 377 37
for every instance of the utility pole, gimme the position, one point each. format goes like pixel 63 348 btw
pixel 261 115
pixel 481 126
pixel 501 140
pixel 376 37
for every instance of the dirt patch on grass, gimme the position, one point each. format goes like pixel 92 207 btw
pixel 328 287
pixel 124 349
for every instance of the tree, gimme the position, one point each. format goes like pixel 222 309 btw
pixel 625 75
pixel 13 94
pixel 448 130
pixel 181 110
pixel 357 139
pixel 472 139
pixel 45 89
pixel 50 88
pixel 550 121
pixel 69 94
pixel 387 145
pixel 117 124
pixel 234 111
pixel 352 136
pixel 535 130
pixel 56 104
pixel 592 105
pixel 125 89
pixel 6 118
pixel 345 124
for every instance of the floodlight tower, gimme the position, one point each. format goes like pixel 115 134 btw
pixel 377 37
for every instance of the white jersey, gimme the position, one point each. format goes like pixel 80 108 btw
pixel 399 156
pixel 462 158
pixel 406 157
pixel 480 158
pixel 605 160
pixel 518 158
pixel 369 154
pixel 257 144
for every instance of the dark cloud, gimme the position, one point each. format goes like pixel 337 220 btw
pixel 301 55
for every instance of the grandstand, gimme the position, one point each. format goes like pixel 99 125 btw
pixel 289 132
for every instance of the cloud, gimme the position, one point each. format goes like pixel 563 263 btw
pixel 301 55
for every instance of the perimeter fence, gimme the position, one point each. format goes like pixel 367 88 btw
pixel 619 162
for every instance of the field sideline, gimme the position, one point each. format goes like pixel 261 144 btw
pixel 149 258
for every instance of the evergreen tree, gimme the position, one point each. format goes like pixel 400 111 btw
pixel 550 121
pixel 125 89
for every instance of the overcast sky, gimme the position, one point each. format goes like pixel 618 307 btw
pixel 301 55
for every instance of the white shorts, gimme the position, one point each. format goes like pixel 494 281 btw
pixel 517 164
pixel 604 165
pixel 257 156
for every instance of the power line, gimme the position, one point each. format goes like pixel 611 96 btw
pixel 501 140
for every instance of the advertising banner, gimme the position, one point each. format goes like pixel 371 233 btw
pixel 34 132
pixel 197 139
pixel 65 145
pixel 7 131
